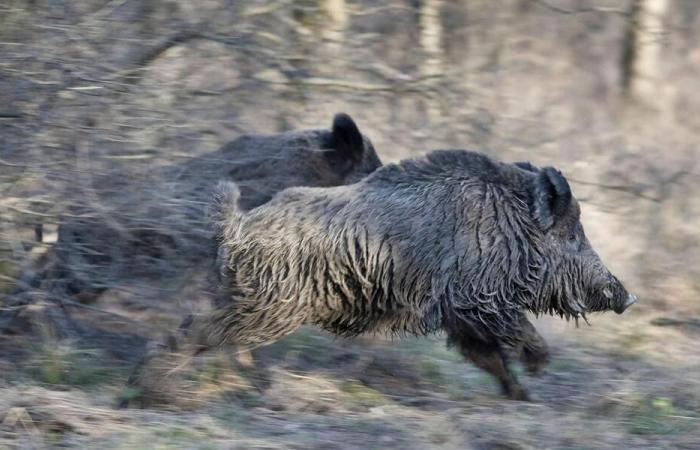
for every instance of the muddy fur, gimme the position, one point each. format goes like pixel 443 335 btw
pixel 453 241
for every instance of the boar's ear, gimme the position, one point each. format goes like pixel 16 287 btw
pixel 552 196
pixel 345 138
pixel 527 166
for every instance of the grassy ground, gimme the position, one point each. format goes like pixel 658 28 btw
pixel 620 383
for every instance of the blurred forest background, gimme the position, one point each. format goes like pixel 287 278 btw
pixel 99 100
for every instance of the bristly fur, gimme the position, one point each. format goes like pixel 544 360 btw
pixel 224 205
pixel 376 256
pixel 453 241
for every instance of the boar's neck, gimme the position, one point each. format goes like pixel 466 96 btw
pixel 562 289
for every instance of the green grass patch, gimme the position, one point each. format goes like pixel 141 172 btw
pixel 362 394
pixel 659 416
pixel 432 347
pixel 316 348
pixel 129 394
pixel 8 270
pixel 167 437
pixel 214 369
pixel 250 398
pixel 431 371
pixel 176 434
pixel 64 365
pixel 230 415
pixel 563 365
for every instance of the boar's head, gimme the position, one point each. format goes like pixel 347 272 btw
pixel 573 278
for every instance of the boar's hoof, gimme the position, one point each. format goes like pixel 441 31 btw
pixel 535 361
pixel 516 392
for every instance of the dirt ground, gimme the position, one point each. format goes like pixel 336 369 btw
pixel 128 86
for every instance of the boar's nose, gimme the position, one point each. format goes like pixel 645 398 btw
pixel 631 300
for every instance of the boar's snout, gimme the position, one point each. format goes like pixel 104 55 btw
pixel 631 300
pixel 615 297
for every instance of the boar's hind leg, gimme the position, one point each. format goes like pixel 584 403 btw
pixel 233 327
pixel 533 350
pixel 491 357
pixel 230 327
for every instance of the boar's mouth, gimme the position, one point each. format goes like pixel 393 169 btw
pixel 577 309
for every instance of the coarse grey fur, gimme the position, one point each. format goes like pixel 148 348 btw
pixel 453 241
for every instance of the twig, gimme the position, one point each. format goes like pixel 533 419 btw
pixel 39 214
pixel 104 11
pixel 6 163
pixel 671 322
pixel 10 115
pixel 161 47
pixel 636 191
pixel 263 10
pixel 167 43
pixel 103 311
pixel 364 11
pixel 413 86
pixel 590 9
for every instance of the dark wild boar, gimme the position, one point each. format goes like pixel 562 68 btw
pixel 126 230
pixel 453 241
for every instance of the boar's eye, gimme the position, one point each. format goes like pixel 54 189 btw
pixel 573 239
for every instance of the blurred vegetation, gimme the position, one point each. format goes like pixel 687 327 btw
pixel 62 365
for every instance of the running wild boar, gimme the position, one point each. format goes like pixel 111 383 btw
pixel 452 241
pixel 159 229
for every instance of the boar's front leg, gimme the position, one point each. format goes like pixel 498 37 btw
pixel 492 359
pixel 489 355
pixel 533 349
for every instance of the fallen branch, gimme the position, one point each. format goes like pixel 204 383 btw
pixel 673 322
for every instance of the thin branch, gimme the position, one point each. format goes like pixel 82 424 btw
pixel 671 322
pixel 10 115
pixel 161 47
pixel 637 191
pixel 589 9
pixel 413 86
pixel 169 42
pixel 266 9
pixel 75 304
pixel 7 163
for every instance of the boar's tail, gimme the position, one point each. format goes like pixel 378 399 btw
pixel 224 206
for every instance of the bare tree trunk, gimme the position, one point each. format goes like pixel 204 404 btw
pixel 641 59
pixel 431 36
pixel 431 44
pixel 337 14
